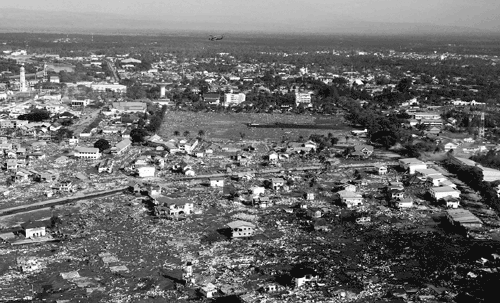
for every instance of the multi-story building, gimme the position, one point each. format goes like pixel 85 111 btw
pixel 303 99
pixel 87 153
pixel 82 103
pixel 234 99
pixel 130 107
pixel 102 87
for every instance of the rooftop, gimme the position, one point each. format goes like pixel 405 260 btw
pixel 239 223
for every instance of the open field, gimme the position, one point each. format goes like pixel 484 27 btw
pixel 231 125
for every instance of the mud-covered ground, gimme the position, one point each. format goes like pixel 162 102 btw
pixel 398 256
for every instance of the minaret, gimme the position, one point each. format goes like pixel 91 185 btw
pixel 22 79
pixel 44 71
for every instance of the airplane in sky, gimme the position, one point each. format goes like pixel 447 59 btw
pixel 215 38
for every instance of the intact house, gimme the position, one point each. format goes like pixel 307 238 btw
pixel 349 198
pixel 273 157
pixel 172 207
pixel 450 146
pixel 33 229
pixel 11 164
pixel 444 191
pixel 188 146
pixel 381 169
pixel 87 153
pixel 241 229
pixel 450 202
pixel 216 182
pixel 412 164
pixel 436 180
pixel 121 147
pixel 154 191
pixel 361 151
pixel 277 183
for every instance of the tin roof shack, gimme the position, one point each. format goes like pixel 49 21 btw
pixel 33 229
pixel 412 164
pixel 463 218
pixel 350 199
pixel 173 207
pixel 241 229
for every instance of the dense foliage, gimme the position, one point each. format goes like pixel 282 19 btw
pixel 473 177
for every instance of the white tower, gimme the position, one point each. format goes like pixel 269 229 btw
pixel 162 91
pixel 22 79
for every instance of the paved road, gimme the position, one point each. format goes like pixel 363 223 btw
pixel 58 201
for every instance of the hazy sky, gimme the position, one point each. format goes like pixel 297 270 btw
pixel 480 14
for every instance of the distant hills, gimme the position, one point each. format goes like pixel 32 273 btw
pixel 13 20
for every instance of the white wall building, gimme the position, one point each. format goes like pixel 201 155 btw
pixel 234 99
pixel 87 153
pixel 303 98
pixel 102 87
pixel 146 171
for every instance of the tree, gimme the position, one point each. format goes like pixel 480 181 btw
pixel 186 133
pixel 201 133
pixel 404 85
pixel 63 133
pixel 138 135
pixel 384 138
pixel 177 133
pixel 102 145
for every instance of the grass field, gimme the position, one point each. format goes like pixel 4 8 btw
pixel 231 125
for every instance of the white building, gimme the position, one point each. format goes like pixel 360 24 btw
pixel 79 103
pixel 87 153
pixel 130 107
pixel 427 116
pixel 444 191
pixel 234 99
pixel 412 164
pixel 303 98
pixel 351 199
pixel 146 171
pixel 121 146
pixel 102 87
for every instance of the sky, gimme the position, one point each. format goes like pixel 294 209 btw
pixel 478 14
